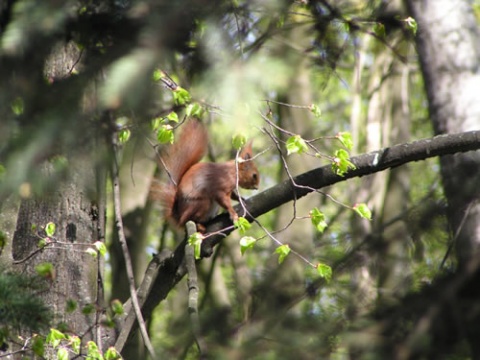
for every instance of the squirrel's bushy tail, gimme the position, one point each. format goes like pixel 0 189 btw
pixel 187 150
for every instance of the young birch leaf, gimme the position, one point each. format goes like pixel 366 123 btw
pixel 295 144
pixel 238 141
pixel 173 116
pixel 412 24
pixel 195 110
pixel 157 122
pixel 242 225
pixel 315 110
pixel 124 135
pixel 54 337
pixel 92 252
pixel 165 134
pixel 75 343
pixel 341 164
pixel 282 251
pixel 117 307
pixel 346 139
pixel 363 210
pixel 247 242
pixel 195 240
pixel 112 354
pixel 62 354
pixel 157 75
pixel 318 219
pixel 92 351
pixel 181 96
pixel 100 246
pixel 324 271
pixel 50 229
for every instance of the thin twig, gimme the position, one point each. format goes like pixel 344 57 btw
pixel 126 254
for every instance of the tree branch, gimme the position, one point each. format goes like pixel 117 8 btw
pixel 171 270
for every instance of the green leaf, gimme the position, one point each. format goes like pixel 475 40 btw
pixel 341 164
pixel 324 271
pixel 165 134
pixel 195 240
pixel 242 225
pixel 124 135
pixel 117 307
pixel 247 242
pixel 71 306
pixel 54 337
pixel 379 30
pixel 173 116
pixel 75 343
pixel 238 141
pixel 62 354
pixel 157 75
pixel 181 96
pixel 92 351
pixel 102 249
pixel 346 139
pixel 38 345
pixel 295 144
pixel 50 229
pixel 363 210
pixel 112 354
pixel 92 252
pixel 46 270
pixel 156 123
pixel 282 251
pixel 318 219
pixel 412 24
pixel 315 110
pixel 18 106
pixel 195 110
pixel 42 243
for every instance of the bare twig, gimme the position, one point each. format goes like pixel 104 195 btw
pixel 126 254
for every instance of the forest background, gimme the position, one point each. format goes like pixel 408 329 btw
pixel 383 265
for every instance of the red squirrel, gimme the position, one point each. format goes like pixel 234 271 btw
pixel 195 189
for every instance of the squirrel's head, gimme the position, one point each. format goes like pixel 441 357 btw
pixel 249 177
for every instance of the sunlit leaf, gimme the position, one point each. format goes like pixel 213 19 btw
pixel 238 141
pixel 195 110
pixel 295 144
pixel 181 96
pixel 100 246
pixel 324 271
pixel 318 220
pixel 195 240
pixel 165 134
pixel 54 337
pixel 247 242
pixel 124 135
pixel 117 307
pixel 363 210
pixel 242 225
pixel 111 354
pixel 50 229
pixel 315 110
pixel 282 251
pixel 346 139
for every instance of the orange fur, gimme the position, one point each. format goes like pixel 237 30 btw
pixel 196 189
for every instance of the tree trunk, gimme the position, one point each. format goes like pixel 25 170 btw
pixel 449 50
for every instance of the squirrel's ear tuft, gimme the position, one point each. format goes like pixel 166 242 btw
pixel 247 153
